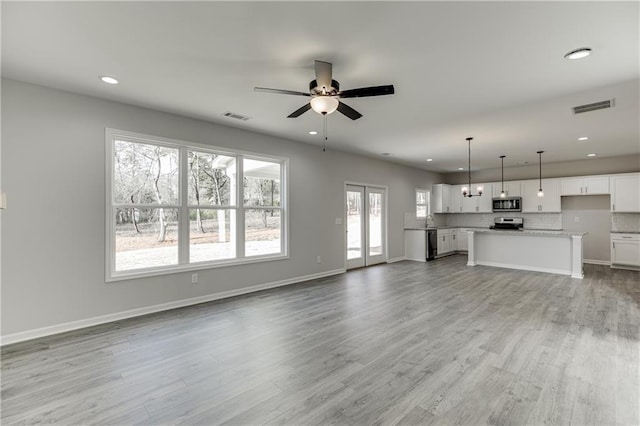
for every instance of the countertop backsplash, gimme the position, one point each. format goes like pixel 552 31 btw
pixel 546 221
pixel 625 222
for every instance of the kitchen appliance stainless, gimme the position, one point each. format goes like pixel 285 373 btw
pixel 432 243
pixel 508 223
pixel 507 204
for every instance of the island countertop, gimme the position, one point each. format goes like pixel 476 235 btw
pixel 539 232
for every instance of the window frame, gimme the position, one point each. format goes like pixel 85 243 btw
pixel 427 204
pixel 111 275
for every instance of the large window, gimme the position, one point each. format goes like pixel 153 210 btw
pixel 178 206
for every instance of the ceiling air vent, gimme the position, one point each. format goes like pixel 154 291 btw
pixel 593 107
pixel 236 116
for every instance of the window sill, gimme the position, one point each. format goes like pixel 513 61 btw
pixel 175 269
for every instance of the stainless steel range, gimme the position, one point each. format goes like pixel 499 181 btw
pixel 508 223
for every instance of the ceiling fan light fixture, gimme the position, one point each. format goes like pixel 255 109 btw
pixel 324 104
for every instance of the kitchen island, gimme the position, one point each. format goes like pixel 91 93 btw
pixel 555 252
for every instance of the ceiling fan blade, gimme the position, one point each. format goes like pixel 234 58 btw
pixel 279 91
pixel 299 111
pixel 348 111
pixel 368 91
pixel 323 73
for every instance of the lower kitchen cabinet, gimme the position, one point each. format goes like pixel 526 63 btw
pixel 625 250
pixel 446 241
pixel 462 239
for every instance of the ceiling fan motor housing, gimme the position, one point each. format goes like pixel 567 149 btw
pixel 331 91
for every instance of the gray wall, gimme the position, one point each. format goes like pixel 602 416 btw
pixel 53 242
pixel 593 213
pixel 597 166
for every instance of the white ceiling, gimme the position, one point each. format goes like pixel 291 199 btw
pixel 494 71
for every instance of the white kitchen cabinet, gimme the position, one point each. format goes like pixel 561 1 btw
pixel 476 204
pixel 625 193
pixel 511 189
pixel 588 185
pixel 446 241
pixel 625 249
pixel 462 239
pixel 441 198
pixel 549 203
pixel 457 199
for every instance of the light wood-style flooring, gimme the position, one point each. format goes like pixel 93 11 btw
pixel 404 343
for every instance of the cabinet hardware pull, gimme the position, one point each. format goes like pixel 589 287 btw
pixel 614 244
pixel 625 236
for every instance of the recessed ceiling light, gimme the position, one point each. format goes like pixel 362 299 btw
pixel 108 80
pixel 583 138
pixel 460 168
pixel 592 155
pixel 313 132
pixel 580 53
pixel 429 160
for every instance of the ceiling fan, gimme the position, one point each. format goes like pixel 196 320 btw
pixel 325 94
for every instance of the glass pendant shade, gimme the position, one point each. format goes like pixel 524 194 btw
pixel 480 190
pixel 324 104
pixel 502 194
pixel 540 193
pixel 465 191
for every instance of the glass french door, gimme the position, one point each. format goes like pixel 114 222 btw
pixel 366 225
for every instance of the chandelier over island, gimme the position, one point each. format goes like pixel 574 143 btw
pixel 466 191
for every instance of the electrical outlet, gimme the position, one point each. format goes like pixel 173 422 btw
pixel 319 259
pixel 194 278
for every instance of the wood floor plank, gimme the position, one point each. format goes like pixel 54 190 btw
pixel 404 343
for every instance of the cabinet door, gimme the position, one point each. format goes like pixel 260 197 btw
pixel 573 186
pixel 513 189
pixel 484 204
pixel 625 252
pixel 551 201
pixel 530 200
pixel 625 193
pixel 463 240
pixel 456 199
pixel 469 204
pixel 596 185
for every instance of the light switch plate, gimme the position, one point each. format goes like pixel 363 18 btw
pixel 3 201
pixel 338 221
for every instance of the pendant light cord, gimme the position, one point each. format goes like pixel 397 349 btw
pixel 540 164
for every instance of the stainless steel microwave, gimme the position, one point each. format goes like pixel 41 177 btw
pixel 507 204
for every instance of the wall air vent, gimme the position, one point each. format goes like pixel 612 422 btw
pixel 593 107
pixel 236 116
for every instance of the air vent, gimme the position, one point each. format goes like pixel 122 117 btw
pixel 594 106
pixel 236 116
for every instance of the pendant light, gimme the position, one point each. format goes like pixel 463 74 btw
pixel 466 192
pixel 502 194
pixel 540 191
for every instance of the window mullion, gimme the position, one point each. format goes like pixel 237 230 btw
pixel 183 217
pixel 240 231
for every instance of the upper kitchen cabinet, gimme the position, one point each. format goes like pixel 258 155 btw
pixel 625 193
pixel 474 204
pixel 549 203
pixel 589 185
pixel 441 198
pixel 511 189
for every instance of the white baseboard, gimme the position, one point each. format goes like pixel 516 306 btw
pixel 596 262
pixel 103 319
pixel 524 268
pixel 396 259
